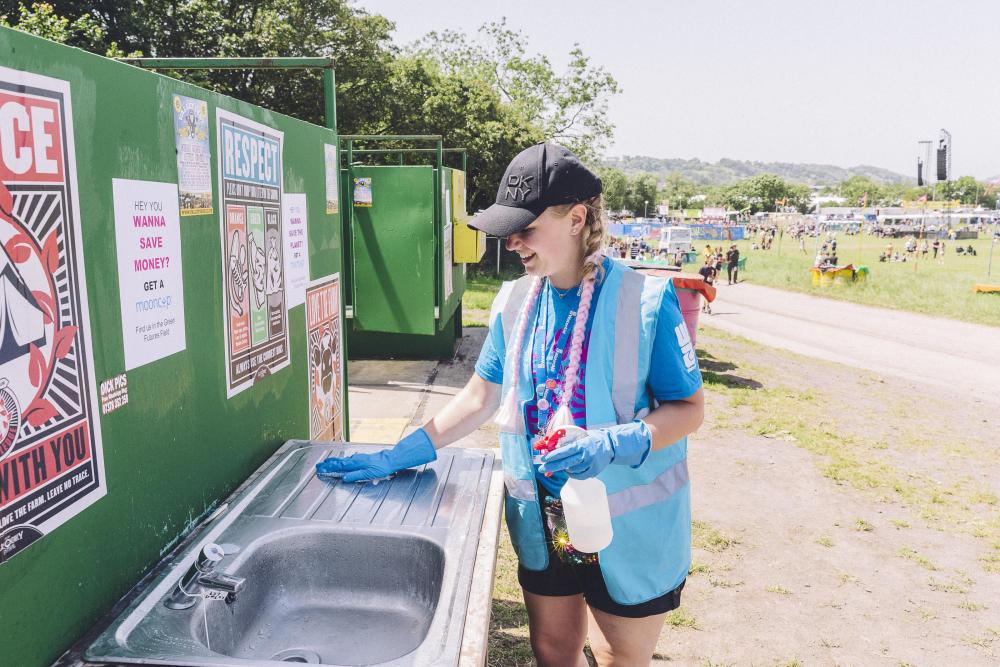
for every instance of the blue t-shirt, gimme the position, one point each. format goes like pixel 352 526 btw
pixel 673 370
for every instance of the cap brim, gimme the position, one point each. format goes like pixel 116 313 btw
pixel 500 220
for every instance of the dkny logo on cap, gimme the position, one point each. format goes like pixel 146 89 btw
pixel 518 187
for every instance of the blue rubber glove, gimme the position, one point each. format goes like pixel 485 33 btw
pixel 413 450
pixel 622 444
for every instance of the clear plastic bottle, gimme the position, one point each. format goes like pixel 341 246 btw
pixel 585 504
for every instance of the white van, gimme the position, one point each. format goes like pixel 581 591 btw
pixel 674 239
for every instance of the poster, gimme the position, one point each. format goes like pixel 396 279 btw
pixel 296 230
pixel 255 307
pixel 51 462
pixel 332 176
pixel 326 354
pixel 150 281
pixel 363 191
pixel 194 157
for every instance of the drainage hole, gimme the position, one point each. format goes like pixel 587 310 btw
pixel 298 655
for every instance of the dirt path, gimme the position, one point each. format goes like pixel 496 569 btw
pixel 841 518
pixel 949 355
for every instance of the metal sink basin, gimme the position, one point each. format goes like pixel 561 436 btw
pixel 335 574
pixel 350 598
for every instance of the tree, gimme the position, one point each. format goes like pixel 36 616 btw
pixel 677 190
pixel 570 108
pixel 640 189
pixel 615 186
pixel 494 100
pixel 42 20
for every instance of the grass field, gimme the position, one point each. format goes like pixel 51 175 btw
pixel 933 287
pixel 929 286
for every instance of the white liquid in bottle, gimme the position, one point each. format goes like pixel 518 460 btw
pixel 585 504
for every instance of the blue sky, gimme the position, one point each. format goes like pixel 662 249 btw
pixel 845 83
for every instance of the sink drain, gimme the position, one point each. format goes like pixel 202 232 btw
pixel 300 655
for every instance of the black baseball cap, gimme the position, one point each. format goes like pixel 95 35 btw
pixel 541 176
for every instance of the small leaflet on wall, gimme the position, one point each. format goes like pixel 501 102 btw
pixel 296 230
pixel 448 260
pixel 255 307
pixel 150 280
pixel 363 191
pixel 326 355
pixel 51 460
pixel 332 178
pixel 194 156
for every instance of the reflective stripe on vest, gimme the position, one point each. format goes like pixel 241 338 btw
pixel 521 489
pixel 625 380
pixel 669 482
pixel 512 303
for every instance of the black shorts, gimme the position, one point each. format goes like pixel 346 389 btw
pixel 562 579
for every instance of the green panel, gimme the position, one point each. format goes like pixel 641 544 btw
pixel 179 445
pixel 378 345
pixel 393 251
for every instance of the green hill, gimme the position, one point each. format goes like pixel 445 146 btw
pixel 728 171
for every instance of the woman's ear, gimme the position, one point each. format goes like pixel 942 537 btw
pixel 578 219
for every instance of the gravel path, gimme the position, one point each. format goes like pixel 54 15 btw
pixel 956 357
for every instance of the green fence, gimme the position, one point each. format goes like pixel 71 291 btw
pixel 157 344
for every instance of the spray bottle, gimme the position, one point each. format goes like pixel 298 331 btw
pixel 584 501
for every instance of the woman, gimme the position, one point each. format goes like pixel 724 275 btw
pixel 579 340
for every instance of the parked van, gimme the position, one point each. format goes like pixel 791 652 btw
pixel 674 239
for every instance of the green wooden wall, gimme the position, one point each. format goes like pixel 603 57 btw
pixel 180 445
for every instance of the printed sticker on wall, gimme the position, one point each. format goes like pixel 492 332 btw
pixel 296 231
pixel 114 393
pixel 51 462
pixel 363 191
pixel 194 156
pixel 332 178
pixel 255 307
pixel 326 355
pixel 150 280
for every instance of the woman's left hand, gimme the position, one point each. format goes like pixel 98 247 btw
pixel 623 444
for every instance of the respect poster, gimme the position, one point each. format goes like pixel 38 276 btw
pixel 150 282
pixel 51 462
pixel 326 355
pixel 194 157
pixel 255 304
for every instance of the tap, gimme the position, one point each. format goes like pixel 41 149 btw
pixel 201 580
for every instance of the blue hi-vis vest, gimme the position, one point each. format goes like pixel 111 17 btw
pixel 650 553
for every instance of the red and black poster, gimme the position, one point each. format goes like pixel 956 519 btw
pixel 51 464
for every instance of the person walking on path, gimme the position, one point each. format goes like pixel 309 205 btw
pixel 587 341
pixel 732 264
pixel 708 274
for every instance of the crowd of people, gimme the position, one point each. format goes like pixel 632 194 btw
pixel 912 250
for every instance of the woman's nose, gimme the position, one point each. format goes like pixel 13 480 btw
pixel 513 241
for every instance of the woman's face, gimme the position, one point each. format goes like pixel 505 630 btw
pixel 551 245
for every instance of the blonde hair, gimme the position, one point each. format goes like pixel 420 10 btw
pixel 509 418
